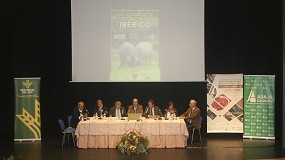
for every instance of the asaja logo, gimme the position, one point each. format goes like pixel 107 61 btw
pixel 251 97
pixel 259 98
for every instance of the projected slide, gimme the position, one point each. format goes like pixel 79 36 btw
pixel 137 41
pixel 135 45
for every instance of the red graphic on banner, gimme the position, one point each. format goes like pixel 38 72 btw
pixel 220 102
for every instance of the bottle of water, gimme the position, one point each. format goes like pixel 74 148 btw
pixel 101 114
pixel 104 115
pixel 96 115
pixel 168 115
pixel 174 116
pixel 84 117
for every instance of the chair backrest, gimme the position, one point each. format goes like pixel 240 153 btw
pixel 201 121
pixel 69 118
pixel 61 124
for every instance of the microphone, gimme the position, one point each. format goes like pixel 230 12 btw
pixel 146 110
pixel 87 114
pixel 122 115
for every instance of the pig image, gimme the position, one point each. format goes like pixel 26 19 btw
pixel 134 56
pixel 127 56
pixel 143 52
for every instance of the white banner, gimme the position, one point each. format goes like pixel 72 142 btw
pixel 225 103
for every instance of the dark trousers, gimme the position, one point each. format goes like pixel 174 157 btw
pixel 190 127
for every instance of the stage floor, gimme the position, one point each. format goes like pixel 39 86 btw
pixel 218 146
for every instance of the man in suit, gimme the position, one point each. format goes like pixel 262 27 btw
pixel 100 109
pixel 135 107
pixel 192 116
pixel 152 111
pixel 118 110
pixel 78 111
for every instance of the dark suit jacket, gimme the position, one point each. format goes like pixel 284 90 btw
pixel 157 111
pixel 195 116
pixel 139 109
pixel 76 114
pixel 96 110
pixel 113 111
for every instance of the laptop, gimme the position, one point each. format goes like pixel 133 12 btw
pixel 134 116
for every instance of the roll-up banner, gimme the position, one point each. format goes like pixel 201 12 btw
pixel 225 103
pixel 27 109
pixel 259 106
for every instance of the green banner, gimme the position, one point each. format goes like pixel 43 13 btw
pixel 27 109
pixel 259 106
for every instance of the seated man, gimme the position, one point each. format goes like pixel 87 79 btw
pixel 135 107
pixel 152 111
pixel 118 110
pixel 100 109
pixel 192 116
pixel 77 112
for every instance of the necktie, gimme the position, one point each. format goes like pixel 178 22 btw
pixel 190 115
pixel 101 112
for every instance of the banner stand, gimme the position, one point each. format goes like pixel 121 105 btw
pixel 27 109
pixel 259 107
pixel 224 103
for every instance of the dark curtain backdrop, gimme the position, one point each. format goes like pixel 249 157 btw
pixel 241 36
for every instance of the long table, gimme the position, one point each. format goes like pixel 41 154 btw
pixel 105 133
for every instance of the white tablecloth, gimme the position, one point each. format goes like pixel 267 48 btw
pixel 97 133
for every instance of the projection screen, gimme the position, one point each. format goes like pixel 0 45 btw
pixel 137 41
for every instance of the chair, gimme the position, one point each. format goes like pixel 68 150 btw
pixel 66 131
pixel 69 119
pixel 193 131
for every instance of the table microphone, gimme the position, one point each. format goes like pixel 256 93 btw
pixel 87 114
pixel 146 110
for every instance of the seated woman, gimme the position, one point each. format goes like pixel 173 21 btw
pixel 170 110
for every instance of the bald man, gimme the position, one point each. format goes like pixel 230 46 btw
pixel 192 116
pixel 135 107
pixel 77 111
